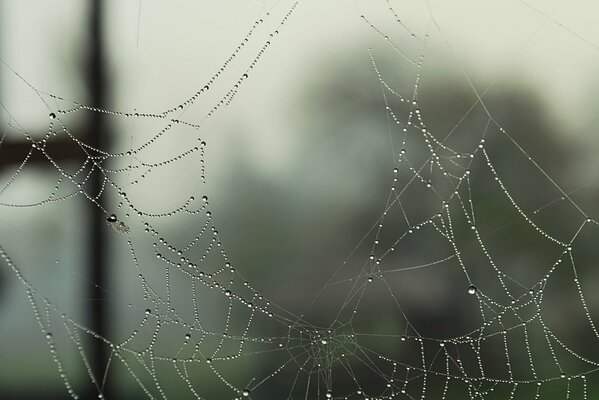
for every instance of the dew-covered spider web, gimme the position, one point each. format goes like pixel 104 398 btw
pixel 473 279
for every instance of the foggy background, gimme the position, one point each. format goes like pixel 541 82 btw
pixel 298 166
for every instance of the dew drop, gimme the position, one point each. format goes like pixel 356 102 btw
pixel 52 115
pixel 245 393
pixel 471 289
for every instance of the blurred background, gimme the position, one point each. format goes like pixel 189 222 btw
pixel 298 170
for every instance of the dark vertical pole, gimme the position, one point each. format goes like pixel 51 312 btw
pixel 97 137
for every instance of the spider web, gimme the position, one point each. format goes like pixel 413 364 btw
pixel 196 327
